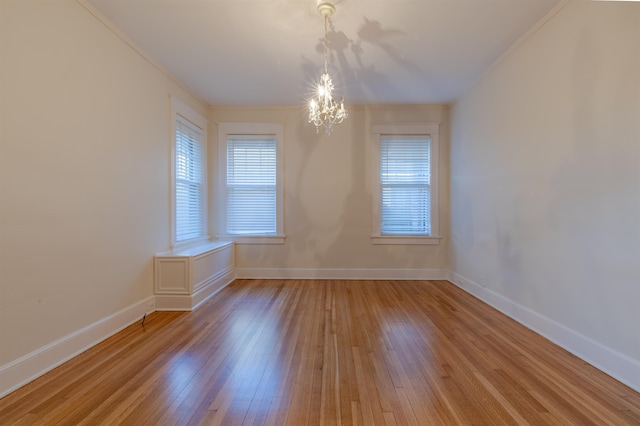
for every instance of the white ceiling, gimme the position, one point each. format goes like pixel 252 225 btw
pixel 269 52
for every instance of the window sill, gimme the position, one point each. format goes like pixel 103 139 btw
pixel 256 239
pixel 405 240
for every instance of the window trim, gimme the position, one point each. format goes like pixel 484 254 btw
pixel 409 129
pixel 226 129
pixel 179 108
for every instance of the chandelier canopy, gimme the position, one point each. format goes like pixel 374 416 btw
pixel 324 111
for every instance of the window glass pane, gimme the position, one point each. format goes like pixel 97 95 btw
pixel 251 186
pixel 405 186
pixel 189 181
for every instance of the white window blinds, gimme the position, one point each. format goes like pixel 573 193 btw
pixel 189 180
pixel 251 185
pixel 405 185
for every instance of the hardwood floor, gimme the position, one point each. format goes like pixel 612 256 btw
pixel 291 352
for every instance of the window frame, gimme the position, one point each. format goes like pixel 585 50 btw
pixel 431 131
pixel 180 109
pixel 226 129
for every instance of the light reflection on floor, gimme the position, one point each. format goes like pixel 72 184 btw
pixel 256 371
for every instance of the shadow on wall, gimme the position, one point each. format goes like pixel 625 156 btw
pixel 309 230
pixel 328 205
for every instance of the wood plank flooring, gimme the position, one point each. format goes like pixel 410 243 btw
pixel 292 352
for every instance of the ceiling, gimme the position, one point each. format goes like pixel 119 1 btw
pixel 269 52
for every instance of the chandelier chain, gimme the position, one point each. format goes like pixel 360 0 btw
pixel 326 47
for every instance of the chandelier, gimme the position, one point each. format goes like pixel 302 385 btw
pixel 324 111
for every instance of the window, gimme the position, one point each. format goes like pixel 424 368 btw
pixel 251 185
pixel 405 184
pixel 188 177
pixel 251 182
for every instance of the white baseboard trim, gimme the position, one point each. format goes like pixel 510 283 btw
pixel 21 371
pixel 190 302
pixel 342 273
pixel 619 366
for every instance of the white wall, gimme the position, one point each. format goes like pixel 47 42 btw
pixel 328 204
pixel 545 184
pixel 84 185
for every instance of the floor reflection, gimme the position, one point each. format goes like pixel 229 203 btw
pixel 255 371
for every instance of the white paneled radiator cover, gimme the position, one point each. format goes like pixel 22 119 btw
pixel 186 278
